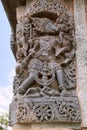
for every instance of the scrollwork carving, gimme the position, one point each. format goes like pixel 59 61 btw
pixel 48 110
pixel 44 112
pixel 22 112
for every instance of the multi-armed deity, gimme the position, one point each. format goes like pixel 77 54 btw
pixel 45 82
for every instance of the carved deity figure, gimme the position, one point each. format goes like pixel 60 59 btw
pixel 45 81
pixel 45 48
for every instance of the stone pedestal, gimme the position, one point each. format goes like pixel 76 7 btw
pixel 39 127
pixel 81 56
pixel 46 113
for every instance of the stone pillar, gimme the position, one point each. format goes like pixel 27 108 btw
pixel 81 56
pixel 50 64
pixel 44 86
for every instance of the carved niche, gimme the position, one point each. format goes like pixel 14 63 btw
pixel 45 82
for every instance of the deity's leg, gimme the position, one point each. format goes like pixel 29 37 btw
pixel 26 84
pixel 60 78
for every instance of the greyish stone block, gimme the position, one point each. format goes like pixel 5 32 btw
pixel 81 40
pixel 45 50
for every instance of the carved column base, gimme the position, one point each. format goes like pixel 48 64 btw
pixel 39 127
pixel 46 111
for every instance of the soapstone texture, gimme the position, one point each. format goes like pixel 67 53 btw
pixel 45 49
pixel 81 56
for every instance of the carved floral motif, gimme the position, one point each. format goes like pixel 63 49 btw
pixel 21 112
pixel 48 109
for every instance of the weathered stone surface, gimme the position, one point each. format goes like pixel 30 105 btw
pixel 20 11
pixel 39 127
pixel 86 14
pixel 24 128
pixel 81 38
pixel 45 109
pixel 45 82
pixel 70 5
pixel 48 64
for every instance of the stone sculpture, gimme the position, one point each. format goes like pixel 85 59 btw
pixel 45 82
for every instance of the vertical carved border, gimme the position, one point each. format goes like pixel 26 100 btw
pixel 86 13
pixel 81 41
